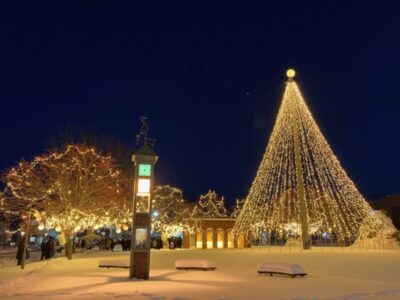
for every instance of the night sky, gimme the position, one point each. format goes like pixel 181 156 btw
pixel 210 77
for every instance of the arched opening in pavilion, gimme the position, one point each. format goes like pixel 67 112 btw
pixel 220 238
pixel 199 239
pixel 210 238
pixel 240 241
pixel 231 243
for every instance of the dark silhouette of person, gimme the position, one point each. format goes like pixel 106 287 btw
pixel 44 247
pixel 47 248
pixel 112 245
pixel 83 245
pixel 123 244
pixel 153 243
pixel 159 243
pixel 51 247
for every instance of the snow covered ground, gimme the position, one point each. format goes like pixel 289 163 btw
pixel 332 275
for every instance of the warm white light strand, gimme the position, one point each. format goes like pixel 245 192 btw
pixel 333 202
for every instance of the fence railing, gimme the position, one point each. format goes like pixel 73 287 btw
pixel 321 249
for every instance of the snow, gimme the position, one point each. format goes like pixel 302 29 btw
pixel 332 274
pixel 114 263
pixel 289 269
pixel 204 264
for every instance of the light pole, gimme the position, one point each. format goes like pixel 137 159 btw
pixel 144 160
pixel 305 236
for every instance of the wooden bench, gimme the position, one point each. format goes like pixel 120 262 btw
pixel 292 270
pixel 114 263
pixel 195 264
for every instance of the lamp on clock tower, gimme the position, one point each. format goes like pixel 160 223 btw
pixel 144 160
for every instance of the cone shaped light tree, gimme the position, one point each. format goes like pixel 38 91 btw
pixel 300 185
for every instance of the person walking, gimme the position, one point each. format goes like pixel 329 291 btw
pixel 51 247
pixel 43 248
pixel 159 243
pixel 112 245
pixel 123 244
pixel 83 245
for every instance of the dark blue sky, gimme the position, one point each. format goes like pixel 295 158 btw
pixel 203 72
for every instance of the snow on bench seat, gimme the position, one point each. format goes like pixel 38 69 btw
pixel 200 264
pixel 275 268
pixel 114 263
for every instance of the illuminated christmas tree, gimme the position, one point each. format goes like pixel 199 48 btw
pixel 300 185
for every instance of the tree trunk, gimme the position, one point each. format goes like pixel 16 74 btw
pixel 68 246
pixel 26 241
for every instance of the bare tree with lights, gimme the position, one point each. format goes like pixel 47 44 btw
pixel 103 143
pixel 237 208
pixel 68 189
pixel 23 196
pixel 170 212
pixel 211 205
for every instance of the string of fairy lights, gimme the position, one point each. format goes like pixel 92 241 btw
pixel 171 212
pixel 237 208
pixel 211 206
pixel 333 202
pixel 76 188
pixel 69 190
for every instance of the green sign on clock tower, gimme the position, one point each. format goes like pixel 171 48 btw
pixel 144 170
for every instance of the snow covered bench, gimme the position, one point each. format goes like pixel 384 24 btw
pixel 287 269
pixel 114 263
pixel 195 264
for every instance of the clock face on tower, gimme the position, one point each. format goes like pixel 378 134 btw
pixel 144 170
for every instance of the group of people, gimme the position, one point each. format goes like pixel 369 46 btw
pixel 108 244
pixel 156 243
pixel 174 242
pixel 125 244
pixel 47 248
pixel 104 244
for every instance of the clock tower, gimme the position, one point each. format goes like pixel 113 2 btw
pixel 144 160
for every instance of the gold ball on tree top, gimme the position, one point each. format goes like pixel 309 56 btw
pixel 290 73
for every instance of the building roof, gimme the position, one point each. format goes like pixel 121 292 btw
pixel 146 150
